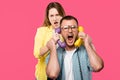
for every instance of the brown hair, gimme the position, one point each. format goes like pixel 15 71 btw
pixel 68 17
pixel 53 5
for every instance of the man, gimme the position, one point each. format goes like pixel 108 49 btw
pixel 72 63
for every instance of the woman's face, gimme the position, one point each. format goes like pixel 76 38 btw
pixel 54 17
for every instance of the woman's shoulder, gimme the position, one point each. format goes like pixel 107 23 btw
pixel 42 28
pixel 45 27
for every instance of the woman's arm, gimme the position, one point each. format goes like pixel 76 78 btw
pixel 39 48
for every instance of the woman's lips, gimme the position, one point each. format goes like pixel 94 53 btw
pixel 55 22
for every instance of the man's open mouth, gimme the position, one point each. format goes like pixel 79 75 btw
pixel 70 38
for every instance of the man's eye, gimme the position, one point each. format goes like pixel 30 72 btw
pixel 73 27
pixel 65 27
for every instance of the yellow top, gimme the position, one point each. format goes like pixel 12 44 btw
pixel 42 36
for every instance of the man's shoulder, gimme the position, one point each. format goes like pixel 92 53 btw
pixel 60 49
pixel 82 47
pixel 82 50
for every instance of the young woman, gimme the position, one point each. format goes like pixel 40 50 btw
pixel 53 15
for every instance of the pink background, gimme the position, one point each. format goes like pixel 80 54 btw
pixel 19 20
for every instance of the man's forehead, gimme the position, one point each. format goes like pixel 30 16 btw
pixel 69 22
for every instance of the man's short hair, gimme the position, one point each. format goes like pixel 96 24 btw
pixel 69 17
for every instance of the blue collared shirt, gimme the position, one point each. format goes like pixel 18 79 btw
pixel 80 62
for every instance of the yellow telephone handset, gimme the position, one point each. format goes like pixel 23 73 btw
pixel 78 42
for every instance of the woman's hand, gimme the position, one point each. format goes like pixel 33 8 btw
pixel 56 37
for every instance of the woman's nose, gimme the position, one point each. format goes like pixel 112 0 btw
pixel 55 18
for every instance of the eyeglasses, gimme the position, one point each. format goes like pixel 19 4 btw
pixel 66 28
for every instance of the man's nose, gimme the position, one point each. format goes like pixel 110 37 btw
pixel 70 29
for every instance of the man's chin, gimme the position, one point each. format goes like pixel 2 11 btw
pixel 70 44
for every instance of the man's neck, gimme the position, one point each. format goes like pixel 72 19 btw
pixel 69 48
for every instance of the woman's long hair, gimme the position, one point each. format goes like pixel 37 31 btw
pixel 55 5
